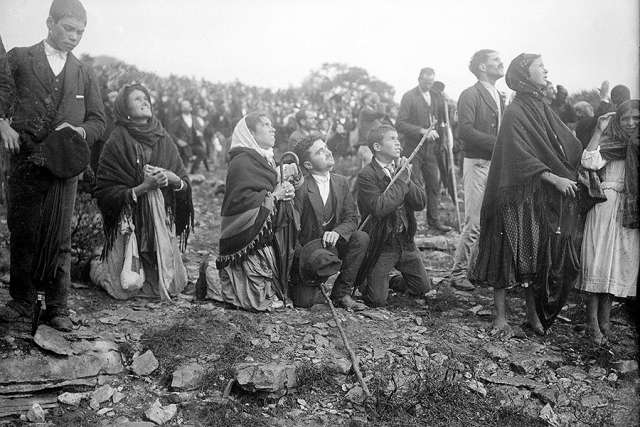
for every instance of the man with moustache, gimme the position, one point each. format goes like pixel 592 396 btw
pixel 45 91
pixel 421 108
pixel 480 109
pixel 328 212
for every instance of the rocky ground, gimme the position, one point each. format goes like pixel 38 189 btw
pixel 426 362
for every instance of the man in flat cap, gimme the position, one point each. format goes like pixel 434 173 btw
pixel 44 89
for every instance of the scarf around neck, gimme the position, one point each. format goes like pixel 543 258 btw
pixel 147 133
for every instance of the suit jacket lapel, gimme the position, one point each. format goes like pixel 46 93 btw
pixel 486 97
pixel 40 66
pixel 314 198
pixel 338 196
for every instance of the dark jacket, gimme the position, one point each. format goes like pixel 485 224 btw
pixel 414 114
pixel 383 208
pixel 309 203
pixel 191 135
pixel 478 121
pixel 25 94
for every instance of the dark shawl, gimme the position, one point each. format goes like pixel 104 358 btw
pixel 528 230
pixel 129 148
pixel 246 220
pixel 616 144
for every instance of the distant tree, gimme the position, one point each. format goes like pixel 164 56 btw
pixel 334 76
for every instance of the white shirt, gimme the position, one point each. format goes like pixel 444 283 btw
pixel 386 167
pixel 55 57
pixel 188 119
pixel 495 95
pixel 324 185
pixel 427 97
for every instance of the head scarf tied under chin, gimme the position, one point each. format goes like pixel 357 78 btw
pixel 517 77
pixel 147 133
pixel 616 144
pixel 242 137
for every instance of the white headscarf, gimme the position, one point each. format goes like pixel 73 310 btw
pixel 242 137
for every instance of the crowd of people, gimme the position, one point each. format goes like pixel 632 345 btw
pixel 550 188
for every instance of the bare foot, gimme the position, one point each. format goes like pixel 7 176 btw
pixel 501 329
pixel 605 328
pixel 533 321
pixel 596 336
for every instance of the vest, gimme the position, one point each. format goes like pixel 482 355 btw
pixel 328 214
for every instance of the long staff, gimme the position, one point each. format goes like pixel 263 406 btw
pixel 452 167
pixel 397 175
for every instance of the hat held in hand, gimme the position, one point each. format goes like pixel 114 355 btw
pixel 64 153
pixel 317 263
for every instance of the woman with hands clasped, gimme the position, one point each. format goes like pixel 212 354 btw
pixel 611 243
pixel 144 196
pixel 249 264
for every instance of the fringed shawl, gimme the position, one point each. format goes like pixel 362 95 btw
pixel 247 209
pixel 121 168
pixel 520 213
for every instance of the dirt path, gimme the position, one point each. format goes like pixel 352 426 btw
pixel 427 362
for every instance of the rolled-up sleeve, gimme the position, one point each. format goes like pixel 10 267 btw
pixel 592 160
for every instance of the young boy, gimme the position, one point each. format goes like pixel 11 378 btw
pixel 392 225
pixel 328 212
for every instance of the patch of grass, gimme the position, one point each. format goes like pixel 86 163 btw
pixel 434 399
pixel 312 376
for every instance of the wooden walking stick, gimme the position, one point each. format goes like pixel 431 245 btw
pixel 452 167
pixel 352 354
pixel 397 175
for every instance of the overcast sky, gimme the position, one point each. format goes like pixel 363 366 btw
pixel 275 43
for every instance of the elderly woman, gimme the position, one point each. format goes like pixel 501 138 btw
pixel 529 220
pixel 249 262
pixel 142 191
pixel 611 243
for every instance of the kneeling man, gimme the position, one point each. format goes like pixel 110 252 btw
pixel 392 225
pixel 328 212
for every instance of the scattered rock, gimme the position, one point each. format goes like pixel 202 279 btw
pixel 321 341
pixel 626 366
pixel 375 315
pixel 117 397
pixel 475 309
pixel 145 363
pixel 612 377
pixel 593 401
pixel 340 365
pixel 547 394
pixel 597 372
pixel 187 377
pixel 52 340
pixel 496 352
pixel 439 358
pixel 36 413
pixel 516 381
pixel 355 395
pixel 102 394
pixel 265 377
pixel 72 399
pixel 477 386
pixel 104 411
pixel 550 417
pixel 161 414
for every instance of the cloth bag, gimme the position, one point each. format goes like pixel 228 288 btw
pixel 132 276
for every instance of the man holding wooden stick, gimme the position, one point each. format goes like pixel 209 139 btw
pixel 390 203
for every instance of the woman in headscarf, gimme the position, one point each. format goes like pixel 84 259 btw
pixel 529 220
pixel 249 260
pixel 611 243
pixel 142 190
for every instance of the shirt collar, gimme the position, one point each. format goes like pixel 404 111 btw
pixel 491 88
pixel 384 165
pixel 322 178
pixel 52 51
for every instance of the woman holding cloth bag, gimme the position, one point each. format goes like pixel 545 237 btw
pixel 144 196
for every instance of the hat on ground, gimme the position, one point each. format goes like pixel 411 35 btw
pixel 316 263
